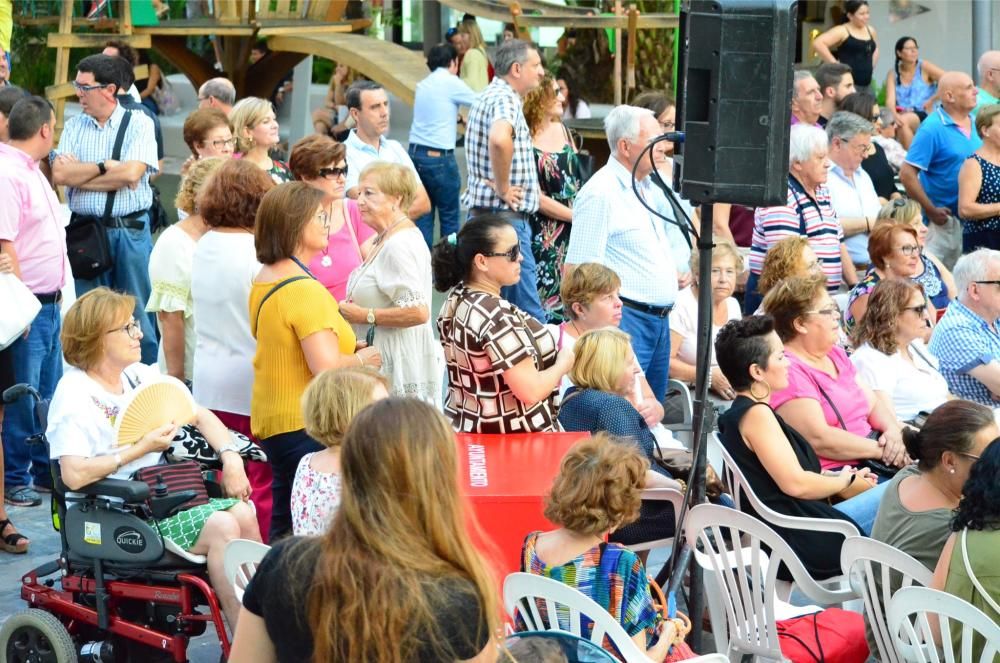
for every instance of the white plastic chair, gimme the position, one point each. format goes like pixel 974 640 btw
pixel 745 578
pixel 913 634
pixel 671 495
pixel 873 569
pixel 240 562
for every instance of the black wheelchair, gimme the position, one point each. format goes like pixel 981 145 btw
pixel 116 593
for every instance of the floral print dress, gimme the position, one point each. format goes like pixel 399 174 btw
pixel 559 178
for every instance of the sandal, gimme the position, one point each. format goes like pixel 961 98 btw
pixel 21 496
pixel 14 542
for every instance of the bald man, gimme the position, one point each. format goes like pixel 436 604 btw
pixel 989 79
pixel 930 173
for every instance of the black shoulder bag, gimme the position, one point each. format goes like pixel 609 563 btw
pixel 87 236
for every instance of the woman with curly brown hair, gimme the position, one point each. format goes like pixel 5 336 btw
pixel 792 256
pixel 225 263
pixel 891 355
pixel 559 178
pixel 598 490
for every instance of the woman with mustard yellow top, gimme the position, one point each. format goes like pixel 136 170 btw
pixel 299 332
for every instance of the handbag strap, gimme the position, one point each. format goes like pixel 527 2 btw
pixel 972 576
pixel 116 155
pixel 276 288
pixel 830 401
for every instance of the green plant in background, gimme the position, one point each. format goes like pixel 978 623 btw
pixel 654 55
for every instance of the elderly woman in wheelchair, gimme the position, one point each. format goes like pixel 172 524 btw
pixel 100 341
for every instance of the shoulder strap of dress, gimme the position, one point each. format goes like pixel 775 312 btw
pixel 972 576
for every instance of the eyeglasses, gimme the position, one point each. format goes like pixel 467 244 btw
pixel 221 143
pixel 968 455
pixel 831 312
pixel 512 254
pixel 909 250
pixel 987 282
pixel 860 150
pixel 132 329
pixel 900 202
pixel 919 310
pixel 88 88
pixel 330 173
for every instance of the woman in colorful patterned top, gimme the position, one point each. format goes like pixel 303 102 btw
pixel 329 404
pixel 598 490
pixel 936 279
pixel 256 129
pixel 895 253
pixel 560 178
pixel 504 368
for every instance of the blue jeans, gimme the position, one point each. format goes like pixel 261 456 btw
pixel 651 344
pixel 284 451
pixel 524 293
pixel 440 177
pixel 751 298
pixel 864 507
pixel 129 273
pixel 37 361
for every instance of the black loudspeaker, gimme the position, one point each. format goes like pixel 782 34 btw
pixel 736 65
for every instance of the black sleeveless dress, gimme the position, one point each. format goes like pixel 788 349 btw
pixel 857 54
pixel 818 551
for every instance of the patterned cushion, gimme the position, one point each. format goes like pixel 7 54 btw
pixel 190 444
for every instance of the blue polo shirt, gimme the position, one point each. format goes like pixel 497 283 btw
pixel 938 151
pixel 961 342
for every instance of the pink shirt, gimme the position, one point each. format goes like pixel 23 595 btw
pixel 333 266
pixel 804 381
pixel 29 217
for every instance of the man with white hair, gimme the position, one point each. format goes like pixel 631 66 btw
pixel 217 93
pixel 989 79
pixel 966 340
pixel 611 227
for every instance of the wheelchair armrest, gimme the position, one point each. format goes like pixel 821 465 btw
pixel 164 507
pixel 128 491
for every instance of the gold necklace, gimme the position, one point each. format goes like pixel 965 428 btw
pixel 385 233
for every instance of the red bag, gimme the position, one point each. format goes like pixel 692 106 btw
pixel 828 636
pixel 185 475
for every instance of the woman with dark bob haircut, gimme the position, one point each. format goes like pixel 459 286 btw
pixel 598 490
pixel 782 468
pixel 504 368
pixel 971 556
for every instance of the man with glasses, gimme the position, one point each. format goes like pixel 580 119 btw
pixel 217 93
pixel 611 227
pixel 930 174
pixel 966 340
pixel 83 164
pixel 33 247
pixel 852 192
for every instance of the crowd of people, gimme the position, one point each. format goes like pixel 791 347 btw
pixel 856 372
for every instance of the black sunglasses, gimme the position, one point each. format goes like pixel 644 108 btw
pixel 919 310
pixel 330 173
pixel 512 254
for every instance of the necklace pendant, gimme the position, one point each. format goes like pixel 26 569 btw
pixel 326 261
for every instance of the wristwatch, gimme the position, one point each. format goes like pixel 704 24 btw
pixel 229 447
pixel 101 167
pixel 371 316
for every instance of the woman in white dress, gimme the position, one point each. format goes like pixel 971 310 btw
pixel 170 267
pixel 389 294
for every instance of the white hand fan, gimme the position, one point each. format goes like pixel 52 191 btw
pixel 152 405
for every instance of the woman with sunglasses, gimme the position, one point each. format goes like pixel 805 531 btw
pixel 388 298
pixel 504 368
pixel 895 253
pixel 891 355
pixel 321 163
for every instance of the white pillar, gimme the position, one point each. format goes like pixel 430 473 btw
pixel 982 29
pixel 301 114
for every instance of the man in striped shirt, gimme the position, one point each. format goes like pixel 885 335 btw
pixel 807 211
pixel 83 164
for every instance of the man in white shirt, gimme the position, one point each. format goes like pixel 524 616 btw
pixel 368 104
pixel 611 227
pixel 851 190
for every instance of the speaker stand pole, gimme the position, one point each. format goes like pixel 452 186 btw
pixel 703 410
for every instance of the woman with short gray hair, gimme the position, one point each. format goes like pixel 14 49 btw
pixel 807 211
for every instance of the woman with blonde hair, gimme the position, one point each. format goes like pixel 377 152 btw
pixel 395 578
pixel 170 266
pixel 329 404
pixel 388 299
pixel 792 256
pixel 255 127
pixel 475 67
pixel 597 491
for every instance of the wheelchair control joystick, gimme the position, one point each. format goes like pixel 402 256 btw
pixel 160 489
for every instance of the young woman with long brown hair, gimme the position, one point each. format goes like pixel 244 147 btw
pixel 395 578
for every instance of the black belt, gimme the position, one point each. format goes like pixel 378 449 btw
pixel 508 214
pixel 50 297
pixel 132 221
pixel 414 147
pixel 658 311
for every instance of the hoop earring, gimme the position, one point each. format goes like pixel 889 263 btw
pixel 766 393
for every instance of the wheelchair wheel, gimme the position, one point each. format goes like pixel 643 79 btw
pixel 35 635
